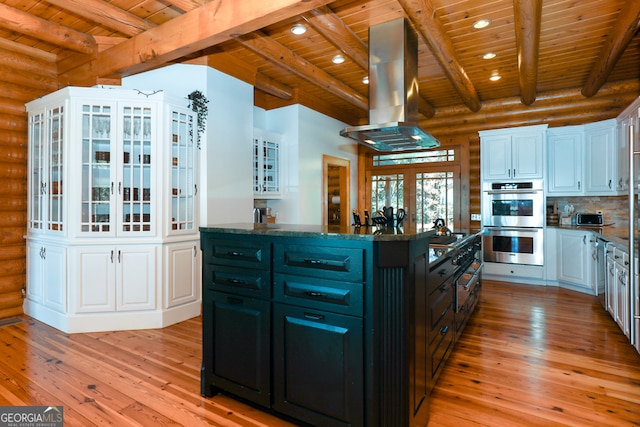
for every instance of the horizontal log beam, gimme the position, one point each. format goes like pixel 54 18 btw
pixel 285 58
pixel 50 32
pixel 208 25
pixel 558 108
pixel 106 14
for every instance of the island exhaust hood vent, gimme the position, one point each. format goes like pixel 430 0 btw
pixel 393 91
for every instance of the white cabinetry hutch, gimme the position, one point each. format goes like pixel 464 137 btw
pixel 112 233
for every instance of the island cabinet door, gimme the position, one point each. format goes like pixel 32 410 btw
pixel 237 346
pixel 318 366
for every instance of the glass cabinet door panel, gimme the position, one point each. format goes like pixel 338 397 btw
pixel 137 126
pixel 55 122
pixel 37 180
pixel 183 189
pixel 97 180
pixel 270 167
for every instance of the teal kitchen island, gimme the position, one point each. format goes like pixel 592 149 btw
pixel 328 326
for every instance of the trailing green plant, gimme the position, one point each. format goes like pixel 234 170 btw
pixel 198 103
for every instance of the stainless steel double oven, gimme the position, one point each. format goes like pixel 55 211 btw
pixel 513 219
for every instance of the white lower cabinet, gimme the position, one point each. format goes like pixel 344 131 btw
pixel 46 271
pixel 618 287
pixel 182 263
pixel 575 259
pixel 112 279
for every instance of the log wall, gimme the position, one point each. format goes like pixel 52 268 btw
pixel 25 74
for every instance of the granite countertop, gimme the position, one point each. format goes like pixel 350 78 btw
pixel 368 233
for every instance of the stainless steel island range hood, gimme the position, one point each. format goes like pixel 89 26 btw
pixel 393 91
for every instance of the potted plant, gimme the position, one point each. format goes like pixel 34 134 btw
pixel 198 103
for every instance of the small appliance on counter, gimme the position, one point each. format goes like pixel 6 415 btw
pixel 593 219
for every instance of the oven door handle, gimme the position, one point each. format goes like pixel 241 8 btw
pixel 514 192
pixel 525 229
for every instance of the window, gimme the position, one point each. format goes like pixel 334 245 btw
pixel 425 184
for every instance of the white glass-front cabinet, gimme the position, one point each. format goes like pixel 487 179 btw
pixel 112 186
pixel 266 165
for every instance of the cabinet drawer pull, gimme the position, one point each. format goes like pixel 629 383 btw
pixel 314 316
pixel 316 294
pixel 235 281
pixel 316 261
pixel 444 288
pixel 444 330
pixel 233 300
pixel 234 253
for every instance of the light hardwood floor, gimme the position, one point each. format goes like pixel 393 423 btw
pixel 529 356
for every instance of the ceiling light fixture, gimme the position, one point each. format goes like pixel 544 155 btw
pixel 298 29
pixel 489 55
pixel 338 59
pixel 482 23
pixel 495 77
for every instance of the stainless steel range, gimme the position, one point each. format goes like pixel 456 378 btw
pixel 463 257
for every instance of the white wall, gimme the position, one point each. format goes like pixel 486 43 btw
pixel 307 136
pixel 226 153
pixel 227 146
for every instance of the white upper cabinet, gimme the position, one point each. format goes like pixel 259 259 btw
pixel 266 165
pixel 600 160
pixel 582 160
pixel 513 154
pixel 564 149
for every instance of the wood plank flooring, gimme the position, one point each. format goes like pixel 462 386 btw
pixel 530 356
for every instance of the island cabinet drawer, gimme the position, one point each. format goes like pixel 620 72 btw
pixel 440 303
pixel 319 294
pixel 237 253
pixel 243 281
pixel 441 344
pixel 334 263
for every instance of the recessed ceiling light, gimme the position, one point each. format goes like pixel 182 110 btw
pixel 482 23
pixel 495 78
pixel 489 55
pixel 365 80
pixel 338 59
pixel 298 29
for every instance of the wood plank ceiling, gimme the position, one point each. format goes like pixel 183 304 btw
pixel 544 50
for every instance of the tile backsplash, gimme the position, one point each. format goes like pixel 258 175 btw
pixel 615 209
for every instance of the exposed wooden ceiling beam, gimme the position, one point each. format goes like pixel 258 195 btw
pixel 422 14
pixel 624 29
pixel 106 14
pixel 527 19
pixel 233 66
pixel 186 5
pixel 207 25
pixel 282 56
pixel 327 23
pixel 50 32
pixel 27 50
pixel 332 28
pixel 273 87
